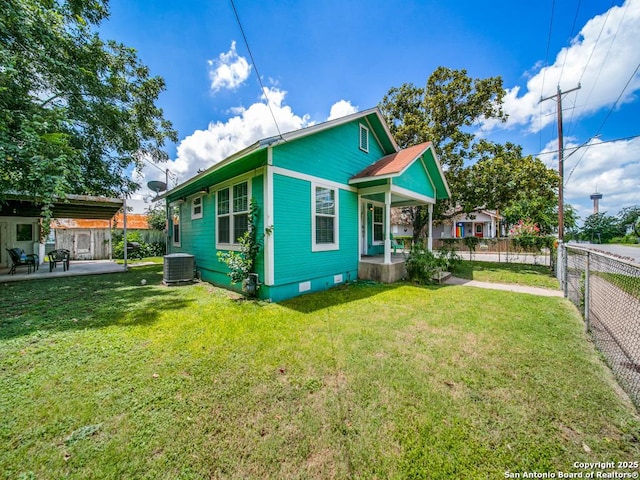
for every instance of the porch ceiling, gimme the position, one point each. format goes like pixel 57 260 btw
pixel 72 206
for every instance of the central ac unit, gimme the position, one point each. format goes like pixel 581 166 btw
pixel 178 269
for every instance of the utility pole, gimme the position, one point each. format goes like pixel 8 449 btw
pixel 558 97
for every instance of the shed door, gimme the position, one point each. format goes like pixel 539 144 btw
pixel 82 245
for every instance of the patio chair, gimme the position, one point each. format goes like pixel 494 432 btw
pixel 19 258
pixel 59 256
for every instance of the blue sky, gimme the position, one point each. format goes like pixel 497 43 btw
pixel 319 60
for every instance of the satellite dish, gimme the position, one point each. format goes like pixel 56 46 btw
pixel 157 186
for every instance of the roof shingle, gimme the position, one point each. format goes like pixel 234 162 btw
pixel 394 163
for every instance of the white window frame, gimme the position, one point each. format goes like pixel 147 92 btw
pixel 363 130
pixel 335 245
pixel 194 206
pixel 374 223
pixel 176 208
pixel 232 244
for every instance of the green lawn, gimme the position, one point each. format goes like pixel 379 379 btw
pixel 101 377
pixel 512 273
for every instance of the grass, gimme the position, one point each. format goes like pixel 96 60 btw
pixel 511 273
pixel 101 377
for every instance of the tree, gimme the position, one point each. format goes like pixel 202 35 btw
pixel 600 228
pixel 157 216
pixel 443 113
pixel 75 111
pixel 630 217
pixel 521 188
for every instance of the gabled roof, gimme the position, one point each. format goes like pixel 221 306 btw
pixel 394 164
pixel 373 115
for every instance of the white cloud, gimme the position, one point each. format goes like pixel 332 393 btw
pixel 611 168
pixel 229 70
pixel 204 148
pixel 602 67
pixel 341 108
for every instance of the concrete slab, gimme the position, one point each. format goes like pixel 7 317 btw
pixel 76 267
pixel 545 292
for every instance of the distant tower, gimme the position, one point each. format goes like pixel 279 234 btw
pixel 596 198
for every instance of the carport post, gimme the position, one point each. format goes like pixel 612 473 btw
pixel 124 227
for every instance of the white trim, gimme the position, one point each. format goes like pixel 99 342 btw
pixel 372 179
pixel 232 245
pixel 364 148
pixel 360 233
pixel 269 242
pixel 177 206
pixel 310 178
pixel 287 137
pixel 435 190
pixel 195 216
pixel 373 222
pixel 373 132
pixel 323 247
pixel 403 192
pixel 373 190
pixel 387 228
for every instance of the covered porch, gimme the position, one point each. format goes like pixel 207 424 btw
pixel 411 177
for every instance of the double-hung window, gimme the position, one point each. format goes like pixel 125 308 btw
pixel 378 225
pixel 324 218
pixel 196 208
pixel 233 213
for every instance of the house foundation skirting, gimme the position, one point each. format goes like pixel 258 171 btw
pixel 381 272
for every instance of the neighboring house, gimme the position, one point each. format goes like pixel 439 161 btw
pixel 89 239
pixel 479 223
pixel 327 191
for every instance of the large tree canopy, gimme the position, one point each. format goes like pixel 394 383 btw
pixel 519 187
pixel 75 111
pixel 445 112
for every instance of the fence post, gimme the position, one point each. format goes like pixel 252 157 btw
pixel 565 268
pixel 587 323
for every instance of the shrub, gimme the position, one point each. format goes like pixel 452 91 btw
pixel 421 264
pixel 448 257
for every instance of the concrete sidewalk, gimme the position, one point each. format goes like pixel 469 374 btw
pixel 545 292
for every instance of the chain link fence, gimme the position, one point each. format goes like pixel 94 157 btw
pixel 606 290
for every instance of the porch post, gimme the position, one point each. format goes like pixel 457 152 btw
pixel 387 227
pixel 430 237
pixel 359 227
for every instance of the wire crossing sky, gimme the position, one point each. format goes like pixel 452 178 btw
pixel 321 60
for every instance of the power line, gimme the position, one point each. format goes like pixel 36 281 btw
pixel 570 149
pixel 575 19
pixel 546 64
pixel 586 65
pixel 255 65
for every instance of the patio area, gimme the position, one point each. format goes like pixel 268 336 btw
pixel 76 267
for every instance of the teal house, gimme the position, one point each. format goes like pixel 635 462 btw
pixel 325 190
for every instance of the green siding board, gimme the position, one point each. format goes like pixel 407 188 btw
pixel 197 237
pixel 333 154
pixel 293 257
pixel 239 167
pixel 416 179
